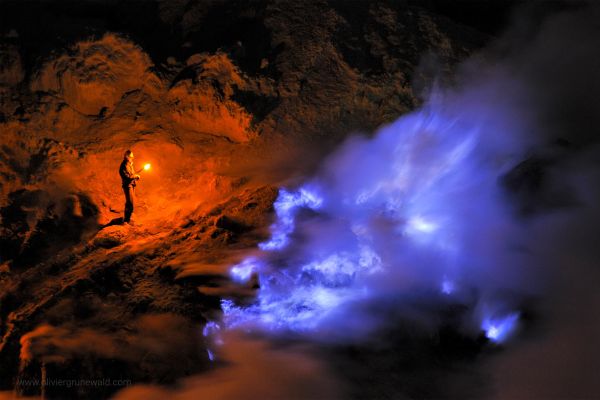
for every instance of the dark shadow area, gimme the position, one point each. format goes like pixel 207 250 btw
pixel 114 221
pixel 258 106
pixel 35 225
pixel 532 190
pixel 45 27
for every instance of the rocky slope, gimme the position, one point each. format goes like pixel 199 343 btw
pixel 227 101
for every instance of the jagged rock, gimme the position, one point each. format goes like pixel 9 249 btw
pixel 96 74
pixel 204 103
pixel 112 236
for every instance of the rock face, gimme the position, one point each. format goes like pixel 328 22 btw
pixel 207 107
pixel 11 69
pixel 225 100
pixel 96 74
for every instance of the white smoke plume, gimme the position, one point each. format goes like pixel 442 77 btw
pixel 424 208
pixel 440 208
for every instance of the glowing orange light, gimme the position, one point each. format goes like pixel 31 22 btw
pixel 147 167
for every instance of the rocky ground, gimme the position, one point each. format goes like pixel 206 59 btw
pixel 228 101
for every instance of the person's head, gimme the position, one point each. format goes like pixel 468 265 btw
pixel 128 155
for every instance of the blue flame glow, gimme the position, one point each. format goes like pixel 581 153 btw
pixel 285 208
pixel 211 332
pixel 500 329
pixel 415 208
pixel 241 272
pixel 448 287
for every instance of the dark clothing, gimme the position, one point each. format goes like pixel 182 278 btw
pixel 127 174
pixel 129 200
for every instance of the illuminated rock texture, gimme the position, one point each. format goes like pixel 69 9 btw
pixel 228 102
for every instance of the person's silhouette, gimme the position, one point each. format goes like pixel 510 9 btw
pixel 128 180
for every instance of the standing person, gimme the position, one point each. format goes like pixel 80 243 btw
pixel 128 181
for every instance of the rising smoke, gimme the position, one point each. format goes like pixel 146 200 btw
pixel 426 209
pixel 423 213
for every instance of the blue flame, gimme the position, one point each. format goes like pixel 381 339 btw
pixel 211 332
pixel 415 208
pixel 241 272
pixel 500 329
pixel 211 328
pixel 285 208
pixel 448 286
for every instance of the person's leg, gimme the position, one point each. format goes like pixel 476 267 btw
pixel 131 199
pixel 128 204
